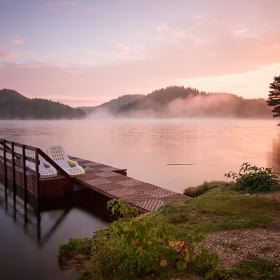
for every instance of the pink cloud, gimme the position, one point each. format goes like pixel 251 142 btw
pixel 17 42
pixel 179 34
pixel 221 52
pixel 198 16
pixel 163 26
pixel 240 31
pixel 121 48
pixel 8 54
pixel 115 47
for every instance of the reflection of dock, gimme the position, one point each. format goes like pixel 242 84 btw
pixel 109 181
pixel 28 216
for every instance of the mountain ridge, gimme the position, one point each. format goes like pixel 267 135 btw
pixel 113 105
pixel 16 106
pixel 177 102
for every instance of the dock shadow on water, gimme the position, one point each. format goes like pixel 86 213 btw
pixel 31 230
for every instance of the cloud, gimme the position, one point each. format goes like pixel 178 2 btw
pixel 4 54
pixel 60 3
pixel 162 27
pixel 197 17
pixel 116 47
pixel 240 31
pixel 220 52
pixel 179 34
pixel 17 42
pixel 92 10
pixel 121 48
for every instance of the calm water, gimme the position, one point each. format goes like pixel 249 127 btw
pixel 145 148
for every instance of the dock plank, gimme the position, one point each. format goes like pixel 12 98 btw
pixel 109 181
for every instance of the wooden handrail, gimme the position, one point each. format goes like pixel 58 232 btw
pixel 22 157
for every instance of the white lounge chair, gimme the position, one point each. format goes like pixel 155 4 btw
pixel 59 156
pixel 45 169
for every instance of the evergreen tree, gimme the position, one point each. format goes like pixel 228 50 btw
pixel 274 97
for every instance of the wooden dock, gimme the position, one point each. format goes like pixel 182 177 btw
pixel 114 183
pixel 107 180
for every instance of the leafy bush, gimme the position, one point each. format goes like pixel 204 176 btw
pixel 120 208
pixel 135 245
pixel 137 248
pixel 254 179
pixel 201 189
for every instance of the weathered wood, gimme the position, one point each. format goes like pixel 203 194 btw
pixel 107 180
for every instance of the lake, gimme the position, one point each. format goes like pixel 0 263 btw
pixel 146 148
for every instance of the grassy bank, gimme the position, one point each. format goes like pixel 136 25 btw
pixel 218 234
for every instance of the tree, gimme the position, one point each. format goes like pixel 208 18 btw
pixel 274 97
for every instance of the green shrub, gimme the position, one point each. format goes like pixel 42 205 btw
pixel 133 246
pixel 120 208
pixel 254 179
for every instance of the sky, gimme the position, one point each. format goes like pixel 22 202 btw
pixel 87 52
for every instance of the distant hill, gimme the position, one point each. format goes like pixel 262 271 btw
pixel 13 105
pixel 177 102
pixel 113 105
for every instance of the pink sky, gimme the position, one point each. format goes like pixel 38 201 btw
pixel 84 53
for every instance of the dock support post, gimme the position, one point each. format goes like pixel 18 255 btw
pixel 13 162
pixel 38 215
pixel 13 174
pixel 6 197
pixel 37 172
pixel 24 184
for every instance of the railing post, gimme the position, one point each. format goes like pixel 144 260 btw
pixel 13 162
pixel 24 182
pixel 24 168
pixel 37 172
pixel 14 177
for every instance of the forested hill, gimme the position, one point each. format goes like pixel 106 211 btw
pixel 177 102
pixel 13 105
pixel 113 105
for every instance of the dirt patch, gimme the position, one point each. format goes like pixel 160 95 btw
pixel 272 196
pixel 244 245
pixel 72 260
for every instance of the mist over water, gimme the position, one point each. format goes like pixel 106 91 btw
pixel 145 147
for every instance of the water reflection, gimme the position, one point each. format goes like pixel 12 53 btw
pixel 31 230
pixel 274 155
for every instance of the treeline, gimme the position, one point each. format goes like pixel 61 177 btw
pixel 158 100
pixel 113 105
pixel 176 102
pixel 16 106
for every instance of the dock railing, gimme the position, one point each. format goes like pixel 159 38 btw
pixel 14 155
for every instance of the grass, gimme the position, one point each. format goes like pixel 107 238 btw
pixel 81 246
pixel 201 189
pixel 257 269
pixel 218 209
